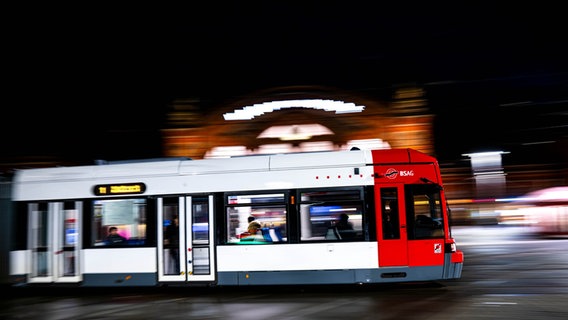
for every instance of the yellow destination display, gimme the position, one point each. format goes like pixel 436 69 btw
pixel 123 188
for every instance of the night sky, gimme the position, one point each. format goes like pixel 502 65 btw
pixel 94 82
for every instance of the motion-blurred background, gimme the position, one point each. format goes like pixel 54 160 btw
pixel 481 88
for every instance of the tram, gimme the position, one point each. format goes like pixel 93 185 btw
pixel 186 222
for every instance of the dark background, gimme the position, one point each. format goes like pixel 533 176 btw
pixel 92 82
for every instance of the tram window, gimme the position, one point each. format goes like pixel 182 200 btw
pixel 424 212
pixel 390 214
pixel 128 215
pixel 322 211
pixel 20 231
pixel 200 228
pixel 266 211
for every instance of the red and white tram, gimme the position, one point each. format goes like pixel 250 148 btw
pixel 185 222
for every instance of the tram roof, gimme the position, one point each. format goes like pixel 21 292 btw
pixel 162 167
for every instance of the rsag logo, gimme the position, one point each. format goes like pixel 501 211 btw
pixel 391 173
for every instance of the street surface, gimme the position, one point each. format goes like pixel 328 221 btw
pixel 508 274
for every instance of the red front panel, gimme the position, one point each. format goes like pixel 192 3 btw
pixel 393 170
pixel 392 238
pixel 426 252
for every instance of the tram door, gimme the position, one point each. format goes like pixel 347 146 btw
pixel 185 246
pixel 54 242
pixel 393 244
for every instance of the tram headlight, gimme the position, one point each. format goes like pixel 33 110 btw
pixel 450 247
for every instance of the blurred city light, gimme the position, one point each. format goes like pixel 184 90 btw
pixel 249 112
pixel 295 132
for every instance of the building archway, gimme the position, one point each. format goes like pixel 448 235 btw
pixel 401 122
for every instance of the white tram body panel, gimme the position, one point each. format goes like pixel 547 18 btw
pixel 210 175
pixel 119 260
pixel 290 257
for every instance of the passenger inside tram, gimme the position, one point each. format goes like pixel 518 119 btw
pixel 253 232
pixel 345 227
pixel 113 237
